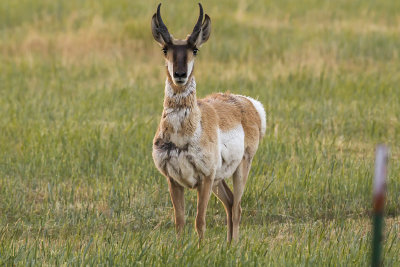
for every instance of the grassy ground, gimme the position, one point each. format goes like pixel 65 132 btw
pixel 81 89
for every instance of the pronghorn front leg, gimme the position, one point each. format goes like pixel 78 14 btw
pixel 203 196
pixel 178 201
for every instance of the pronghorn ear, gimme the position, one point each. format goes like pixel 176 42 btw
pixel 159 30
pixel 205 31
pixel 156 31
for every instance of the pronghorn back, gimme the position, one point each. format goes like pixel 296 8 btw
pixel 233 109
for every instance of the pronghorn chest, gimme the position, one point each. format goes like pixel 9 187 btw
pixel 178 126
pixel 184 159
pixel 177 152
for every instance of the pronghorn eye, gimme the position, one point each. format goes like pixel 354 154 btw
pixel 195 51
pixel 165 51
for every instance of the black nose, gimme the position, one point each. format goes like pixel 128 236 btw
pixel 179 74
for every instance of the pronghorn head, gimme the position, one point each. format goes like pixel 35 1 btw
pixel 179 54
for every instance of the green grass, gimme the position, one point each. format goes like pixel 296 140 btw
pixel 81 89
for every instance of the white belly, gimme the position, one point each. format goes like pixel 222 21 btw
pixel 231 150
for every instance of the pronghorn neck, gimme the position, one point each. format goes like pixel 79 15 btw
pixel 181 114
pixel 183 99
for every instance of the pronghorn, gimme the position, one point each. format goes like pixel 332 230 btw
pixel 201 142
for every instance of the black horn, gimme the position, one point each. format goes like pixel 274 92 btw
pixel 197 28
pixel 162 29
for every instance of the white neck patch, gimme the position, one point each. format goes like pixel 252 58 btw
pixel 190 88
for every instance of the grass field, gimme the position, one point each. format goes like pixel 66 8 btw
pixel 81 89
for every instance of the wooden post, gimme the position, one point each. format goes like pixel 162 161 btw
pixel 379 200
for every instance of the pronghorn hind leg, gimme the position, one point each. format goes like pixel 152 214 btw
pixel 203 196
pixel 239 182
pixel 225 195
pixel 176 192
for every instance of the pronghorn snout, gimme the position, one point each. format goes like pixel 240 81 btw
pixel 180 74
pixel 180 77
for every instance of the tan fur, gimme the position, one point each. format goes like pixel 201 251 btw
pixel 232 110
pixel 189 147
